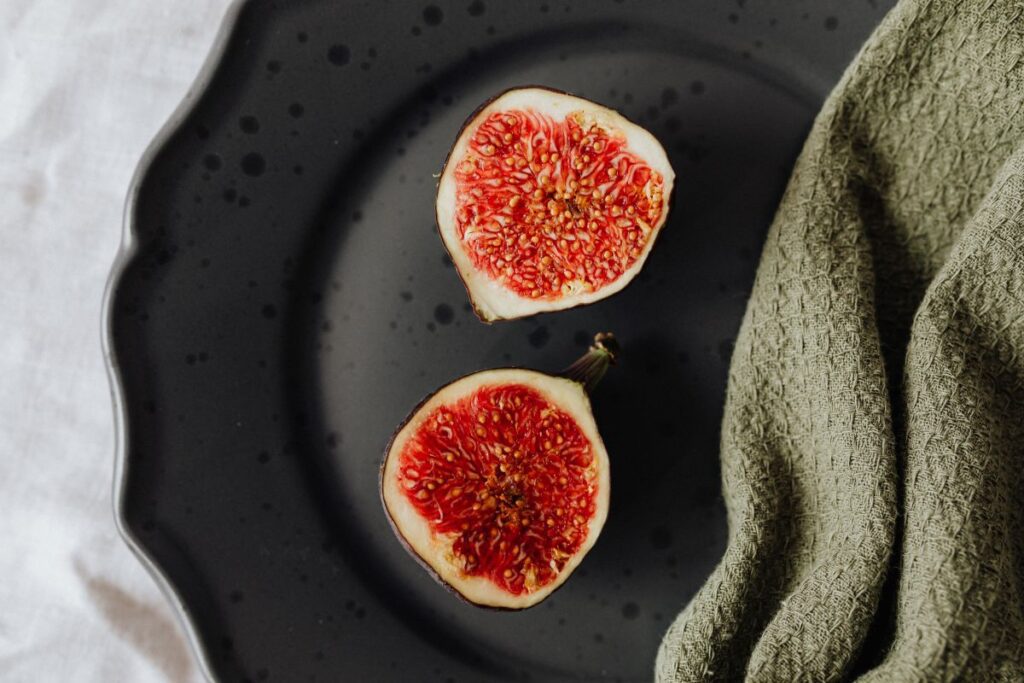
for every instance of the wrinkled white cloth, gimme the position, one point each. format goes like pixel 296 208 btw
pixel 84 86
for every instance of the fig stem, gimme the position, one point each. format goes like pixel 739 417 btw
pixel 591 366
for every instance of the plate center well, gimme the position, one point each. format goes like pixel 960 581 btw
pixel 393 325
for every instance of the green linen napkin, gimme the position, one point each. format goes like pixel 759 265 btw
pixel 873 439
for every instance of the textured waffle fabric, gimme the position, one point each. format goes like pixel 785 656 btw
pixel 873 438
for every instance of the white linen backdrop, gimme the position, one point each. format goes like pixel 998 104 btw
pixel 84 86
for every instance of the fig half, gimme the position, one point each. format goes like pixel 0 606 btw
pixel 549 201
pixel 498 482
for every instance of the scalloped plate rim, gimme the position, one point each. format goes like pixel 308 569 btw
pixel 126 253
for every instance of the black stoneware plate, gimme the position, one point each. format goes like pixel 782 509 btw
pixel 282 300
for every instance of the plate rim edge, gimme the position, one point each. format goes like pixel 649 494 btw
pixel 126 254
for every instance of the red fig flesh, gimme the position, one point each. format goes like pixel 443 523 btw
pixel 498 483
pixel 549 201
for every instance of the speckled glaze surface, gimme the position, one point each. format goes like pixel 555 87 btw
pixel 282 300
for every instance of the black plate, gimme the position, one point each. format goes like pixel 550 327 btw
pixel 282 301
